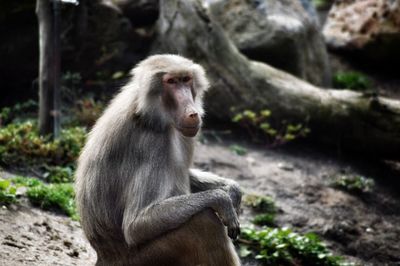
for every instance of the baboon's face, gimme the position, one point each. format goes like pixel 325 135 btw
pixel 178 96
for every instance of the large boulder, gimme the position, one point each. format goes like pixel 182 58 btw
pixel 368 28
pixel 282 33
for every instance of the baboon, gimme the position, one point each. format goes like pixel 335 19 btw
pixel 138 199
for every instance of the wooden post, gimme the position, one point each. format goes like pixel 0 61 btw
pixel 49 69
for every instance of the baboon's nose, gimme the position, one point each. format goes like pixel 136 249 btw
pixel 192 119
pixel 194 116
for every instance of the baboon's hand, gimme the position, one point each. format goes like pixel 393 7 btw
pixel 234 229
pixel 226 211
pixel 235 194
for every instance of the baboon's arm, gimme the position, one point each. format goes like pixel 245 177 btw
pixel 202 181
pixel 161 217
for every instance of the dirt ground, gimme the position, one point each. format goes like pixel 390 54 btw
pixel 363 228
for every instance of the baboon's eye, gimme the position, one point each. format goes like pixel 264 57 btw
pixel 186 79
pixel 170 81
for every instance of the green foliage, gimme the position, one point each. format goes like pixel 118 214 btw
pixel 8 114
pixel 20 144
pixel 49 196
pixel 275 246
pixel 7 192
pixel 239 150
pixel 26 181
pixel 59 174
pixel 264 205
pixel 260 203
pixel 87 110
pixel 351 80
pixel 354 183
pixel 54 196
pixel 118 75
pixel 71 80
pixel 321 4
pixel 258 123
pixel 264 219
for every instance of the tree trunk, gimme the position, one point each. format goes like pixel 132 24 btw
pixel 357 122
pixel 49 95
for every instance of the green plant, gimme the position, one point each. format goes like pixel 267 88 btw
pixel 71 80
pixel 354 183
pixel 54 196
pixel 87 111
pixel 26 181
pixel 118 75
pixel 264 219
pixel 351 81
pixel 7 192
pixel 321 4
pixel 59 174
pixel 8 114
pixel 258 124
pixel 259 203
pixel 239 150
pixel 281 246
pixel 20 144
pixel 264 205
pixel 46 196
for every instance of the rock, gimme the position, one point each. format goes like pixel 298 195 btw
pixel 282 33
pixel 366 27
pixel 286 166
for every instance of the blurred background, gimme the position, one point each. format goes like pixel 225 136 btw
pixel 303 111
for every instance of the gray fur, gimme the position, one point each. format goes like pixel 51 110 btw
pixel 134 187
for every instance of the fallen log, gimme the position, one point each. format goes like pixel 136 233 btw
pixel 359 122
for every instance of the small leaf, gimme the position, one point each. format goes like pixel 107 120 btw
pixel 244 251
pixel 118 75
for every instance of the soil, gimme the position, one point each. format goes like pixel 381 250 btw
pixel 363 227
